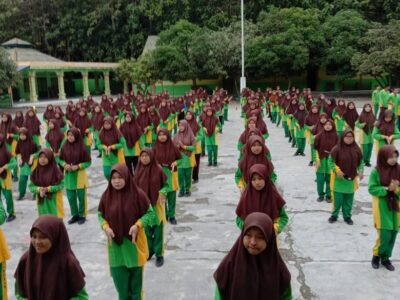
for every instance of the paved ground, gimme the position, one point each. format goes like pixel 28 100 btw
pixel 326 261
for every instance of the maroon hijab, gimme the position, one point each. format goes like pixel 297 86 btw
pixel 111 136
pixel 210 122
pixel 19 120
pixel 166 153
pixel 368 118
pixel 5 155
pixel 82 122
pixel 267 201
pixel 131 131
pixel 55 274
pixel 150 178
pixel 242 276
pixel 312 119
pixel 49 113
pixel 97 118
pixel 54 136
pixel 75 153
pixel 319 126
pixel 7 127
pixel 351 115
pixel 122 208
pixel 386 128
pixel 185 138
pixel 326 140
pixel 26 147
pixel 49 174
pixel 32 123
pixel 193 123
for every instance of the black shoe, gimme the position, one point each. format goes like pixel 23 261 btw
pixel 20 198
pixel 15 179
pixel 332 219
pixel 98 156
pixel 375 262
pixel 209 164
pixel 10 218
pixel 349 221
pixel 173 221
pixel 388 265
pixel 311 163
pixel 195 181
pixel 188 194
pixel 328 199
pixel 297 153
pixel 368 164
pixel 302 154
pixel 73 220
pixel 81 220
pixel 293 145
pixel 159 261
pixel 320 199
pixel 215 164
pixel 150 255
pixel 181 194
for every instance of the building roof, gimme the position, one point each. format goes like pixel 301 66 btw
pixel 150 43
pixel 15 42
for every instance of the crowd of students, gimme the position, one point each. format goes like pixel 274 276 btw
pixel 151 148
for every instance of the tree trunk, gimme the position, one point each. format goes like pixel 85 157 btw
pixel 153 86
pixel 289 82
pixel 194 84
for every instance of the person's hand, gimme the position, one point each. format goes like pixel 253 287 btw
pixel 361 176
pixel 393 186
pixel 67 167
pixel 391 139
pixel 20 161
pixel 205 130
pixel 173 166
pixel 133 231
pixel 317 165
pixel 42 192
pixel 74 167
pixel 30 162
pixel 1 169
pixel 363 125
pixel 161 198
pixel 340 174
pixel 87 130
pixel 109 234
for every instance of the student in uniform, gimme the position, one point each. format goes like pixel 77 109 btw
pixel 186 142
pixel 132 134
pixel 338 117
pixel 311 122
pixel 4 255
pixel 49 269
pixel 325 140
pixel 150 177
pixel 75 159
pixel 26 152
pixel 33 125
pixel 19 119
pixel 384 182
pixel 167 155
pixel 299 118
pixel 211 126
pixel 253 268
pixel 46 183
pixel 350 116
pixel 84 124
pixel 191 119
pixel 366 123
pixel 97 124
pixel 124 211
pixel 385 131
pixel 347 166
pixel 375 99
pixel 7 164
pixel 262 196
pixel 54 138
pixel 110 144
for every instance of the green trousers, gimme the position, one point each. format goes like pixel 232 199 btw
pixel 22 184
pixel 301 144
pixel 203 145
pixel 313 154
pixel 278 119
pixel 155 239
pixel 385 243
pixel 170 204
pixel 323 185
pixel 285 128
pixel 128 282
pixel 226 114
pixel 185 179
pixel 77 202
pixel 344 202
pixel 107 172
pixel 367 152
pixel 9 201
pixel 3 281
pixel 376 109
pixel 273 117
pixel 212 151
pixel 293 137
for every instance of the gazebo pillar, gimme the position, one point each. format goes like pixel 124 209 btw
pixel 61 91
pixel 107 89
pixel 85 82
pixel 32 86
pixel 126 87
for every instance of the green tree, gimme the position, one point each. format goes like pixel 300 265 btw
pixel 8 71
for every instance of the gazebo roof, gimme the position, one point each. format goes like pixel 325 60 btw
pixel 150 43
pixel 16 42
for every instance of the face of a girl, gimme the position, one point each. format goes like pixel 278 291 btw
pixel 40 242
pixel 323 120
pixel 348 139
pixel 22 137
pixel 392 161
pixel 143 110
pixel 257 182
pixel 107 125
pixel 145 158
pixel 128 118
pixel 368 108
pixel 43 160
pixel 31 113
pixel 117 182
pixel 301 107
pixel 70 137
pixel 181 127
pixel 97 109
pixel 188 117
pixel 388 118
pixel 209 113
pixel 50 107
pixel 256 148
pixel 252 125
pixel 4 118
pixel 328 126
pixel 351 106
pixel 254 241
pixel 51 125
pixel 81 113
pixel 162 137
pixel 18 114
pixel 314 110
pixel 341 103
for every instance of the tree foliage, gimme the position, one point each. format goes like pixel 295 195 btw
pixel 8 71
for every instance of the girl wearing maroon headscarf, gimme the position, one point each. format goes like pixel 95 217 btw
pixel 384 182
pixel 325 140
pixel 48 113
pixel 26 152
pixel 291 109
pixel 186 142
pixel 9 131
pixel 347 166
pixel 385 131
pixel 299 119
pixel 33 125
pixel 83 123
pixel 150 177
pixel 49 269
pixel 366 123
pixel 338 116
pixel 132 134
pixel 72 114
pixel 144 122
pixel 165 115
pixel 167 155
pixel 262 196
pixel 255 152
pixel 110 144
pixel 211 127
pixel 54 138
pixel 311 122
pixel 155 122
pixel 97 124
pixel 19 119
pixel 191 119
pixel 124 211
pixel 253 268
pixel 46 182
pixel 351 115
pixel 75 159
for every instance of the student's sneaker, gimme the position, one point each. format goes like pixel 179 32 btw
pixel 388 265
pixel 320 199
pixel 328 199
pixel 293 145
pixel 188 194
pixel 73 220
pixel 311 163
pixel 181 194
pixel 302 154
pixel 10 218
pixel 209 164
pixel 375 262
pixel 368 164
pixel 349 221
pixel 215 164
pixel 332 219
pixel 172 220
pixel 297 153
pixel 159 261
pixel 150 255
pixel 81 220
pixel 20 198
pixel 15 179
